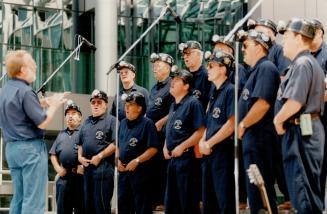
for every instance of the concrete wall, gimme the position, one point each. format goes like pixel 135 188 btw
pixel 286 9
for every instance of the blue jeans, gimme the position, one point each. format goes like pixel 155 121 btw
pixel 28 164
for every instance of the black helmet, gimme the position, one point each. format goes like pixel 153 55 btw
pixel 301 26
pixel 189 44
pixel 185 75
pixel 262 22
pixel 124 64
pixel 220 39
pixel 162 57
pixel 258 36
pixel 72 105
pixel 318 25
pixel 138 98
pixel 219 56
pixel 99 94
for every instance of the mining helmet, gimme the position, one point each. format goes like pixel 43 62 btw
pixel 301 26
pixel 124 64
pixel 72 105
pixel 137 98
pixel 99 94
pixel 162 57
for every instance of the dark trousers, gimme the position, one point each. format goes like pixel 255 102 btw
pixel 181 183
pixel 134 191
pixel 159 179
pixel 70 194
pixel 242 175
pixel 98 188
pixel 324 168
pixel 279 169
pixel 257 149
pixel 218 183
pixel 302 158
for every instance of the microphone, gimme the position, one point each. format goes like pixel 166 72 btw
pixel 173 13
pixel 88 43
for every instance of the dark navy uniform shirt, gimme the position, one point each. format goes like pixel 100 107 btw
pixel 321 56
pixel 65 148
pixel 202 86
pixel 20 112
pixel 135 137
pixel 220 108
pixel 243 76
pixel 96 134
pixel 263 83
pixel 304 83
pixel 183 120
pixel 121 110
pixel 159 101
pixel 276 55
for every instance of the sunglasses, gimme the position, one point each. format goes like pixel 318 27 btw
pixel 99 102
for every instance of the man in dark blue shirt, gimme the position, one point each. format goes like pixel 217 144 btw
pixel 184 129
pixel 23 121
pixel 127 73
pixel 276 55
pixel 157 110
pixel 138 144
pixel 298 120
pixel 256 114
pixel 216 145
pixel 319 50
pixel 193 55
pixel 96 153
pixel 69 186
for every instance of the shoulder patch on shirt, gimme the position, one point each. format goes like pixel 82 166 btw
pixel 216 112
pixel 158 101
pixel 245 94
pixel 133 141
pixel 178 124
pixel 99 135
pixel 197 94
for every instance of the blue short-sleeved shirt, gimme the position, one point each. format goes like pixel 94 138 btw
pixel 184 119
pixel 65 148
pixel 121 110
pixel 135 137
pixel 21 112
pixel 276 55
pixel 262 83
pixel 202 86
pixel 220 108
pixel 96 134
pixel 321 56
pixel 304 83
pixel 159 101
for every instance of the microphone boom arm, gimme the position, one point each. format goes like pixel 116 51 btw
pixel 41 89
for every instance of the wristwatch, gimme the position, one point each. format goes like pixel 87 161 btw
pixel 242 125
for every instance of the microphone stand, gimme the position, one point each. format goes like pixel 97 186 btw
pixel 77 49
pixel 229 36
pixel 114 66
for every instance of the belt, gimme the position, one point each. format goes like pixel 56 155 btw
pixel 297 121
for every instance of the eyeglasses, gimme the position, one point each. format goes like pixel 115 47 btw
pixel 99 102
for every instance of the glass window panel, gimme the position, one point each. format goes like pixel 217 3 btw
pixel 48 28
pixel 17 25
pixel 68 31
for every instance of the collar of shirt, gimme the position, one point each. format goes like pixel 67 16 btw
pixel 71 132
pixel 176 105
pixel 20 80
pixel 96 119
pixel 302 53
pixel 258 63
pixel 323 45
pixel 163 83
pixel 132 123
pixel 195 73
pixel 133 88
